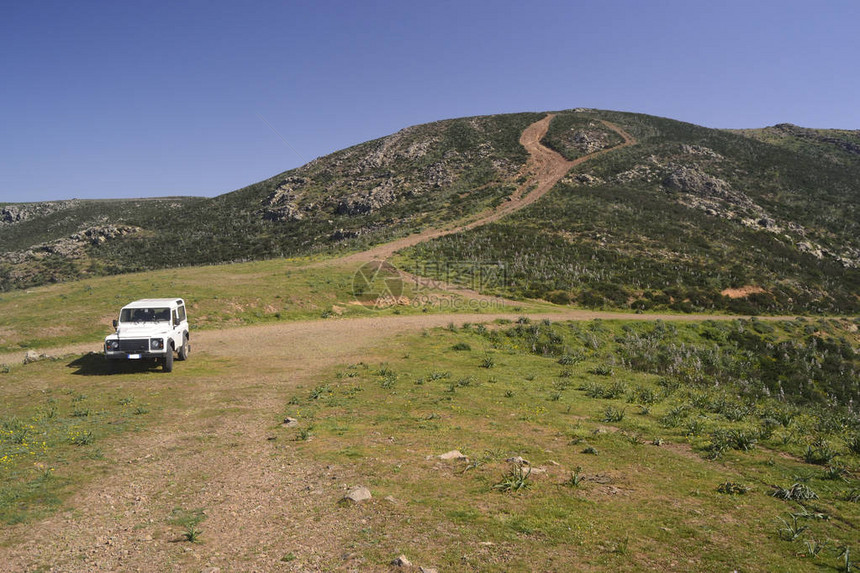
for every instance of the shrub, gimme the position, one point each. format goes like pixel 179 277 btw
pixel 437 375
pixel 853 443
pixel 819 452
pixel 791 530
pixel 732 488
pixel 79 438
pixel 674 417
pixel 575 479
pixel 593 389
pixel 615 390
pixel 515 480
pixel 192 533
pixel 602 370
pixel 767 428
pixel 835 472
pixel 613 414
pixel 742 440
pixel 571 359
pixel 642 395
pixel 797 492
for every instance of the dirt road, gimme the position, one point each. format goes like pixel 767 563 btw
pixel 543 170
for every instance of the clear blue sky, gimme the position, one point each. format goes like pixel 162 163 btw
pixel 137 99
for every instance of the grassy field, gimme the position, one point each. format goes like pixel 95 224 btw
pixel 619 445
pixel 626 470
pixel 225 295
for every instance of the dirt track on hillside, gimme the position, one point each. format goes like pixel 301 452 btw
pixel 543 170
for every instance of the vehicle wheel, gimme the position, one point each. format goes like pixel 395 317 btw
pixel 168 360
pixel 184 349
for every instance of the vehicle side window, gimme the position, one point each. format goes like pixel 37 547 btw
pixel 181 311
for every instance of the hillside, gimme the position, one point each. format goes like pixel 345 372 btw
pixel 687 219
pixel 419 176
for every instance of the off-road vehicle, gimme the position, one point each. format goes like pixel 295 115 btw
pixel 150 329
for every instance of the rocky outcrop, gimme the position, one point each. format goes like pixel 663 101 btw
pixel 363 203
pixel 590 141
pixel 72 247
pixel 282 203
pixel 700 151
pixel 439 174
pixel 695 182
pixel 24 211
pixel 394 148
pixel 821 136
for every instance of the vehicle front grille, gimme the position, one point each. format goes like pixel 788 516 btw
pixel 134 345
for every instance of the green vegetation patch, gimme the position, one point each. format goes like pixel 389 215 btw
pixel 595 442
pixel 52 438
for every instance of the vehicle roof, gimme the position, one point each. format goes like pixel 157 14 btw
pixel 149 302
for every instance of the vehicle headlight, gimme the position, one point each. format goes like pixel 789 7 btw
pixel 112 345
pixel 156 344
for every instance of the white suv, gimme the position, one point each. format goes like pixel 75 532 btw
pixel 151 328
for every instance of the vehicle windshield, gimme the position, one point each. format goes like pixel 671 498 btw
pixel 144 315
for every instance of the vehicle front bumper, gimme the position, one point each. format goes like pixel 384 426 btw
pixel 122 355
pixel 135 348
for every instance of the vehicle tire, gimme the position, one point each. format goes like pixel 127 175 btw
pixel 168 360
pixel 184 349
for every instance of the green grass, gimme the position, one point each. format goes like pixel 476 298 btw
pixel 633 503
pixel 653 493
pixel 217 297
pixel 47 449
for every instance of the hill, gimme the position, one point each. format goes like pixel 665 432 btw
pixel 688 218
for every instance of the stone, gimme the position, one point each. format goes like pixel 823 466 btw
pixel 402 561
pixel 357 495
pixel 699 183
pixel 33 356
pixel 453 455
pixel 366 202
pixel 518 460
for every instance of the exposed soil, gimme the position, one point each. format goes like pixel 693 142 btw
pixel 742 292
